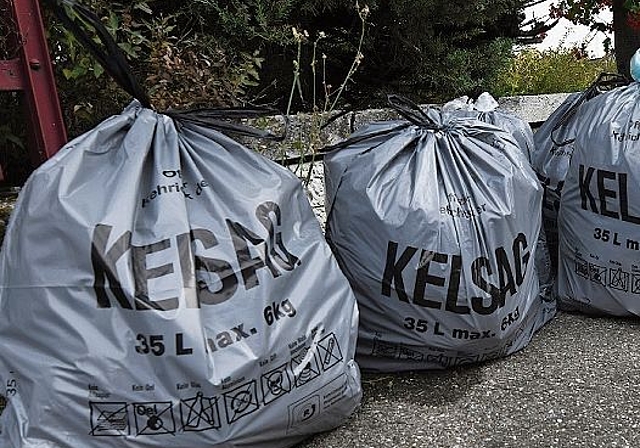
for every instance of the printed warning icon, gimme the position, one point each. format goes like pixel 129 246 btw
pixel 635 284
pixel 304 369
pixel 598 274
pixel 619 279
pixel 200 413
pixel 275 383
pixel 241 401
pixel 154 418
pixel 329 351
pixel 109 419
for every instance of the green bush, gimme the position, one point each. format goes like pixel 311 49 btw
pixel 428 50
pixel 557 70
pixel 178 61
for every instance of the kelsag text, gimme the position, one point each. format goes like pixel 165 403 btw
pixel 253 251
pixel 499 274
pixel 605 193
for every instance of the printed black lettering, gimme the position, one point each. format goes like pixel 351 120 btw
pixel 142 274
pixel 393 270
pixel 457 333
pixel 181 348
pixel 285 259
pixel 505 275
pixel 186 267
pixel 584 182
pixel 604 193
pixel 221 268
pixel 608 197
pixel 624 201
pixel 239 332
pixel 224 339
pixel 454 286
pixel 249 265
pixel 104 262
pixel 477 303
pixel 288 308
pixel 213 280
pixel 423 277
pixel 521 259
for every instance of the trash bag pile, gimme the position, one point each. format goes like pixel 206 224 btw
pixel 431 221
pixel 163 285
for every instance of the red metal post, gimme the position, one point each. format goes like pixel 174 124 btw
pixel 32 73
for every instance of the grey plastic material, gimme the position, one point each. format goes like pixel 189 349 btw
pixel 599 218
pixel 435 227
pixel 170 288
pixel 554 144
pixel 486 108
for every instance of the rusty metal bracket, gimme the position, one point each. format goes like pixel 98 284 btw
pixel 32 73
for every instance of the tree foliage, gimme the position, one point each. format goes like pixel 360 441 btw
pixel 198 53
pixel 625 24
pixel 221 52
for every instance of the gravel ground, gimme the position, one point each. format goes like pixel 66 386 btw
pixel 576 385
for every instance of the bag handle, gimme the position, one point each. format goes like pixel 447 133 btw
pixel 214 118
pixel 109 56
pixel 412 112
pixel 603 83
pixel 406 109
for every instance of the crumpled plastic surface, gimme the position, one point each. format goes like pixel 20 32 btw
pixel 435 226
pixel 170 288
pixel 600 208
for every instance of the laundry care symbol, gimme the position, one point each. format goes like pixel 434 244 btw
pixel 329 351
pixel 305 368
pixel 109 419
pixel 241 401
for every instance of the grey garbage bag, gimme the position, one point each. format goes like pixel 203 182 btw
pixel 553 148
pixel 170 287
pixel 600 208
pixel 434 221
pixel 486 108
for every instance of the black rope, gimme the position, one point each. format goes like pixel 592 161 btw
pixel 108 55
pixel 604 82
pixel 214 119
pixel 412 112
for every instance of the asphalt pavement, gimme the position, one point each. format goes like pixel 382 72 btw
pixel 577 384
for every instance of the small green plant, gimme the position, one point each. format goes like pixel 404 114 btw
pixel 557 70
pixel 324 104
